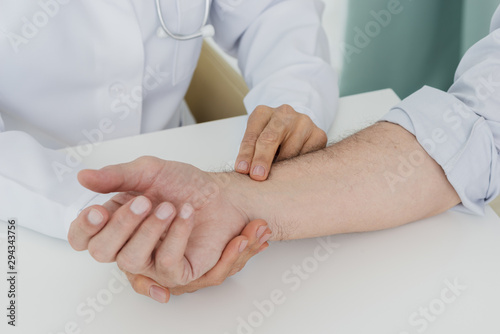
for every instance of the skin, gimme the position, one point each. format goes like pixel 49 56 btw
pixel 269 130
pixel 233 259
pixel 272 129
pixel 351 186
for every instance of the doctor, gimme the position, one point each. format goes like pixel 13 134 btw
pixel 77 73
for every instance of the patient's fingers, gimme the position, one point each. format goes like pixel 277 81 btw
pixel 146 286
pixel 136 255
pixel 88 223
pixel 170 263
pixel 92 219
pixel 105 245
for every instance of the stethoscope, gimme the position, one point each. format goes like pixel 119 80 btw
pixel 205 30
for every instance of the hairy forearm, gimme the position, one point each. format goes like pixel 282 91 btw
pixel 376 179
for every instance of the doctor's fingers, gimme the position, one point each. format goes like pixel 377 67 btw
pixel 258 233
pixel 170 267
pixel 148 287
pixel 220 271
pixel 137 254
pixel 305 137
pixel 257 121
pixel 280 128
pixel 239 250
pixel 316 141
pixel 106 244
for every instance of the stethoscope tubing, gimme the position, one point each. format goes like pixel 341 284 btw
pixel 202 31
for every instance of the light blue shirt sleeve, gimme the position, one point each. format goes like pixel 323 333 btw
pixel 460 129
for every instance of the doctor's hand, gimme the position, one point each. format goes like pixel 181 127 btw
pixel 206 220
pixel 233 259
pixel 276 134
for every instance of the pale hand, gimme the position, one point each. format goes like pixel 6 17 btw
pixel 205 223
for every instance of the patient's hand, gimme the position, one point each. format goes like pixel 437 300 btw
pixel 233 259
pixel 270 130
pixel 206 220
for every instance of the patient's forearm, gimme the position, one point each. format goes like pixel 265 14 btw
pixel 376 179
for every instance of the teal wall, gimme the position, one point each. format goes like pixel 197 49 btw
pixel 420 43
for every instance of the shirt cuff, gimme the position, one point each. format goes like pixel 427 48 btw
pixel 458 139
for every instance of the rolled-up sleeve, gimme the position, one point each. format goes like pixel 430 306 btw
pixel 460 129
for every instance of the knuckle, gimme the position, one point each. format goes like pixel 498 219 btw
pixel 127 263
pixel 268 138
pixel 75 243
pixel 146 158
pixel 151 229
pixel 234 271
pixel 322 138
pixel 147 161
pixel 304 119
pixel 250 138
pixel 217 281
pixel 100 254
pixel 283 118
pixel 136 287
pixel 261 109
pixel 178 292
pixel 164 263
pixel 124 220
pixel 286 109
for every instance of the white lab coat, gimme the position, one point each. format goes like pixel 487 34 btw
pixel 73 72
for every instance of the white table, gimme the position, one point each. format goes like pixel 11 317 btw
pixel 379 282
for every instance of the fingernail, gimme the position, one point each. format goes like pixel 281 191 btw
pixel 186 211
pixel 265 238
pixel 242 166
pixel 243 245
pixel 139 205
pixel 259 171
pixel 158 294
pixel 164 211
pixel 95 217
pixel 261 231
